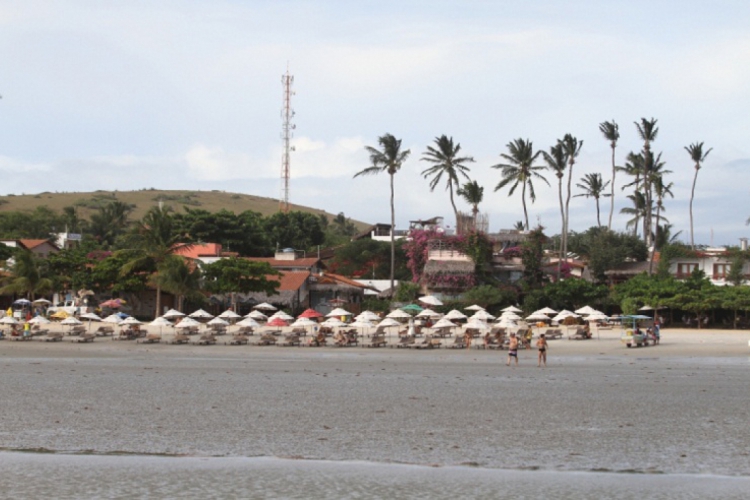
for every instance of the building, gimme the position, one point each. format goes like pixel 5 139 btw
pixel 39 247
pixel 714 262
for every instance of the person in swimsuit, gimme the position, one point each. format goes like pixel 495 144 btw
pixel 512 349
pixel 541 344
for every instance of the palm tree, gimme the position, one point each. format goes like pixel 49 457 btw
pixel 389 160
pixel 572 148
pixel 611 132
pixel 634 167
pixel 662 190
pixel 445 160
pixel 152 242
pixel 647 131
pixel 593 187
pixel 520 169
pixel 696 153
pixel 557 162
pixel 473 194
pixel 28 276
pixel 177 277
pixel 638 210
pixel 110 221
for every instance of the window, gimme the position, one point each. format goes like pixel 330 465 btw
pixel 721 271
pixel 685 270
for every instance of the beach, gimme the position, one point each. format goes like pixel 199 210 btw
pixel 599 416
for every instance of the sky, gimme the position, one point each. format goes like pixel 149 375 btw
pixel 182 94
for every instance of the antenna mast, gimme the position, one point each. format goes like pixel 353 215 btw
pixel 287 131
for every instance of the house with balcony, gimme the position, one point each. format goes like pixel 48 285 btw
pixel 714 262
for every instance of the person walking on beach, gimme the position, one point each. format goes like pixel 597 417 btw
pixel 541 345
pixel 512 349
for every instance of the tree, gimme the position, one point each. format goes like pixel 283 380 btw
pixel 532 254
pixel 520 169
pixel 368 258
pixel 634 166
pixel 611 132
pixel 389 159
pixel 593 187
pixel 109 222
pixel 152 241
pixel 605 249
pixel 572 148
pixel 29 276
pixel 244 233
pixel 696 153
pixel 557 162
pixel 473 194
pixel 176 276
pixel 662 190
pixel 299 230
pixel 235 275
pixel 446 161
pixel 488 295
pixel 647 131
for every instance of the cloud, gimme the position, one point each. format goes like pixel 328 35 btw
pixel 11 165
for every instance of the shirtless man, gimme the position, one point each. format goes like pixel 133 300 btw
pixel 541 344
pixel 512 349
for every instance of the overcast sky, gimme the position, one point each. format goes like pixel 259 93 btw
pixel 187 95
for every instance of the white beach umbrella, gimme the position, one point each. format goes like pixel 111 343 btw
pixel 187 323
pixel 265 306
pixel 338 312
pixel 586 310
pixel 39 320
pixel 482 315
pixel 430 300
pixel 229 314
pixel 41 302
pixel 388 322
pixel 537 317
pixel 257 315
pixel 70 320
pixel 131 321
pixel 597 317
pixel 369 316
pixel 172 314
pixel 282 315
pixel 506 323
pixel 444 323
pixel 161 321
pixel 218 321
pixel 91 316
pixel 8 320
pixel 248 322
pixel 509 315
pixel 476 324
pixel 333 323
pixel 455 314
pixel 512 309
pixel 398 314
pixel 360 324
pixel 428 313
pixel 474 308
pixel 112 318
pixel 303 323
pixel 545 310
pixel 200 313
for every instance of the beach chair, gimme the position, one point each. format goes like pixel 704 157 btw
pixel 238 339
pixel 405 341
pixel 103 331
pixel 435 343
pixel 267 339
pixel 291 340
pixel 579 334
pixel 421 343
pixel 524 337
pixel 151 338
pixel 377 340
pixel 206 339
pixel 553 333
pixel 86 337
pixel 180 339
pixel 52 337
pixel 245 330
pixel 458 342
pixel 77 330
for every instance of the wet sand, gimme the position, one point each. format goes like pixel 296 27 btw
pixel 599 408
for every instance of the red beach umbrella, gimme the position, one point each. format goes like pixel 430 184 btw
pixel 310 313
pixel 277 322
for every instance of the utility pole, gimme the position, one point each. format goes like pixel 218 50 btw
pixel 287 132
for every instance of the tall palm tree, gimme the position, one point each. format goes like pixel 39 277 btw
pixel 558 163
pixel 388 159
pixel 593 187
pixel 661 190
pixel 473 194
pixel 446 161
pixel 572 148
pixel 638 210
pixel 110 221
pixel 634 167
pixel 28 276
pixel 177 277
pixel 153 241
pixel 696 153
pixel 611 132
pixel 520 169
pixel 647 131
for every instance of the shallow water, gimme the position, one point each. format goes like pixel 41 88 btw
pixel 622 422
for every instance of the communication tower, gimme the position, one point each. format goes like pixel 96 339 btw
pixel 287 132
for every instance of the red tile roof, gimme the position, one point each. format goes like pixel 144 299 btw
pixel 307 262
pixel 290 280
pixel 196 251
pixel 29 244
pixel 328 277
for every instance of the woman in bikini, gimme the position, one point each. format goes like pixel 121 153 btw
pixel 541 344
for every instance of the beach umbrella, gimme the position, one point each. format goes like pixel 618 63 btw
pixel 597 317
pixel 545 310
pixel 333 323
pixel 60 314
pixel 91 316
pixel 39 320
pixel 388 322
pixel 257 315
pixel 455 314
pixel 8 320
pixel 586 310
pixel 265 306
pixel 360 324
pixel 281 315
pixel 482 315
pixel 112 318
pixel 41 302
pixel 512 309
pixel 172 314
pixel 72 321
pixel 310 313
pixel 537 317
pixel 161 322
pixel 412 308
pixel 187 323
pixel 428 313
pixel 430 300
pixel 22 302
pixel 303 323
pixel 248 322
pixel 474 308
pixel 510 315
pixel 218 321
pixel 277 321
pixel 112 303
pixel 229 314
pixel 338 312
pixel 200 314
pixel 131 321
pixel 367 316
pixel 444 323
pixel 398 314
pixel 476 324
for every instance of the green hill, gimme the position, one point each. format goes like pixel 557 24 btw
pixel 212 201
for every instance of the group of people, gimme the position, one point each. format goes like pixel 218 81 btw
pixel 541 346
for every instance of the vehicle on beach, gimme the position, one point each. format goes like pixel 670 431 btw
pixel 70 307
pixel 635 336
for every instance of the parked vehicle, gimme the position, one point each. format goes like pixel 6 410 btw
pixel 71 307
